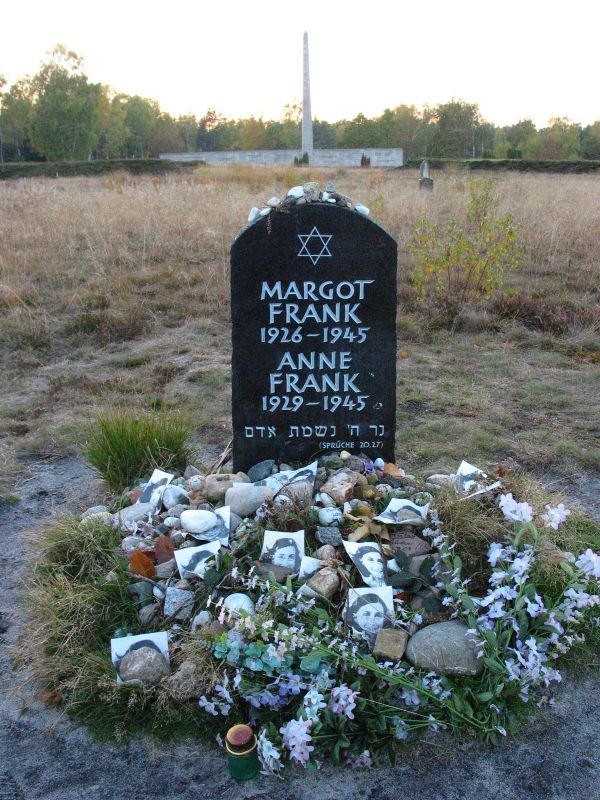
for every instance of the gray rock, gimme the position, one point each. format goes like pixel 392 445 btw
pixel 186 683
pixel 141 592
pixel 261 470
pixel 148 614
pixel 330 187
pixel 329 535
pixel 190 471
pixel 245 498
pixel 167 569
pixel 201 619
pixel 198 522
pixel 177 511
pixel 175 598
pixel 329 516
pixel 390 644
pixel 300 491
pixel 171 522
pixel 311 191
pixel 94 510
pixel 340 485
pixel 131 543
pixel 234 522
pixel 128 518
pixel 409 544
pixel 445 648
pixel 441 480
pixel 174 496
pixel 326 553
pixel 98 518
pixel 144 664
pixel 325 583
pixel 216 486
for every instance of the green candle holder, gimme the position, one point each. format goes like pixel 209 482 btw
pixel 242 753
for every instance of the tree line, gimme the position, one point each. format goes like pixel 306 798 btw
pixel 59 115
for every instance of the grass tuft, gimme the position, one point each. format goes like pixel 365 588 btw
pixel 123 445
pixel 76 610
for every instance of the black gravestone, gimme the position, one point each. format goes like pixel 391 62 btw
pixel 313 303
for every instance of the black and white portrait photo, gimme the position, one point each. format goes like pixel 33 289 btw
pixel 196 560
pixel 403 512
pixel 308 567
pixel 368 560
pixel 280 479
pixel 120 647
pixel 370 610
pixel 283 549
pixel 473 480
pixel 154 489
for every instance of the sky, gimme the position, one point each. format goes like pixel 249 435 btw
pixel 531 58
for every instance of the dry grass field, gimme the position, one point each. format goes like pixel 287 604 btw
pixel 114 290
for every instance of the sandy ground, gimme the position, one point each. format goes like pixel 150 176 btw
pixel 44 755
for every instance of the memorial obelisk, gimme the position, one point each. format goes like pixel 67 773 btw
pixel 307 129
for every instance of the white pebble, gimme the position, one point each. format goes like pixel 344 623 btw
pixel 362 210
pixel 254 214
pixel 296 191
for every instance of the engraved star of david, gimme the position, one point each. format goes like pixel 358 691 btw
pixel 314 245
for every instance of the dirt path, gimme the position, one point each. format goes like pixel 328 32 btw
pixel 44 755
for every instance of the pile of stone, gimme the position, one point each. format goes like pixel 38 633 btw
pixel 342 502
pixel 307 193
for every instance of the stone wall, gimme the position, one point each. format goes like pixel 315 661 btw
pixel 380 157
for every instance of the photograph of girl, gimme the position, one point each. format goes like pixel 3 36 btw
pixel 368 560
pixel 370 610
pixel 195 560
pixel 283 549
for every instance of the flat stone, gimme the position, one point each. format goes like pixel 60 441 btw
pixel 341 485
pixel 94 510
pixel 254 214
pixel 166 569
pixel 409 544
pixel 280 574
pixel 390 644
pixel 245 498
pixel 445 648
pixel 186 683
pixel 131 543
pixel 198 522
pixel 262 470
pixel 362 209
pixel 442 480
pixel 296 192
pixel 215 486
pixel 145 664
pixel 190 471
pixel 175 495
pixel 98 518
pixel 329 535
pixel 174 598
pixel 325 583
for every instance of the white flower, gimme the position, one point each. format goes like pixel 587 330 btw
pixel 516 512
pixel 363 761
pixel 555 516
pixel 589 562
pixel 343 701
pixel 296 738
pixel 410 697
pixel 313 703
pixel 495 553
pixel 268 755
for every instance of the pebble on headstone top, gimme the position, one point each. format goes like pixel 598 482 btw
pixel 313 297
